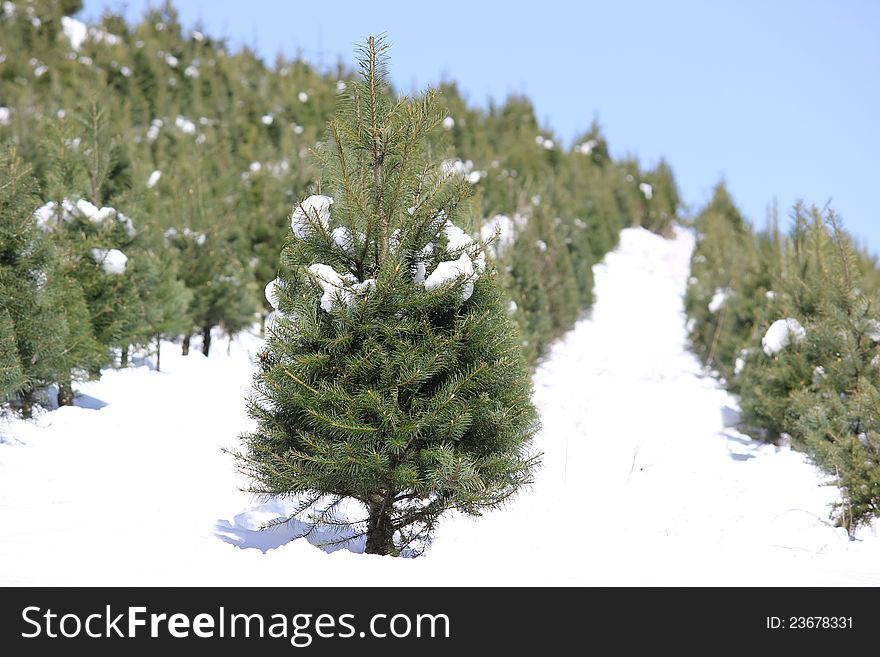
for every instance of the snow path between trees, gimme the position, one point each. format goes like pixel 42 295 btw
pixel 644 480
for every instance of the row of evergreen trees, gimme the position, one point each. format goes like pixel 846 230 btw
pixel 163 168
pixel 791 322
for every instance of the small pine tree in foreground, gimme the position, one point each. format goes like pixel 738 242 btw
pixel 392 373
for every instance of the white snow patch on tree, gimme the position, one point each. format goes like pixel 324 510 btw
pixel 153 130
pixel 333 286
pixel 781 334
pixel 448 123
pixel 874 330
pixel 365 287
pixel 344 240
pixel 75 31
pixel 191 71
pixel 456 238
pixel 127 222
pixel 273 292
pixel 45 215
pixel 89 210
pixel 303 97
pixel 647 190
pixel 506 230
pixel 185 125
pixel 586 147
pixel 5 116
pixel 112 261
pixel 267 119
pixel 97 215
pixel 198 238
pixel 450 168
pixel 718 299
pixel 154 178
pixel 450 270
pixel 316 208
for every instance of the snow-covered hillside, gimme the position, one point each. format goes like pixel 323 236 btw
pixel 644 479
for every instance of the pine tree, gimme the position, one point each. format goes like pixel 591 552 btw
pixel 725 290
pixel 165 298
pixel 529 291
pixel 11 376
pixel 95 240
pixel 392 375
pixel 26 264
pixel 82 354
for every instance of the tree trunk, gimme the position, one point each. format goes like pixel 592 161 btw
pixel 158 353
pixel 186 339
pixel 65 392
pixel 380 531
pixel 27 404
pixel 123 357
pixel 206 340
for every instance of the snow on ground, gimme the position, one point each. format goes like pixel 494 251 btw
pixel 644 480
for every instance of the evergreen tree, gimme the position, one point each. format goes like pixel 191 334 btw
pixel 96 240
pixel 165 298
pixel 726 289
pixel 26 261
pixel 529 291
pixel 392 375
pixel 82 354
pixel 11 376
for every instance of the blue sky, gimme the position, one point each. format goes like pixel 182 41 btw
pixel 780 98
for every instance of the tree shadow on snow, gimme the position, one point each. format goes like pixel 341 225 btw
pixel 244 531
pixel 739 445
pixel 48 399
pixel 729 416
pixel 87 401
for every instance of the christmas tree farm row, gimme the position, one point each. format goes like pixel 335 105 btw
pixel 790 321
